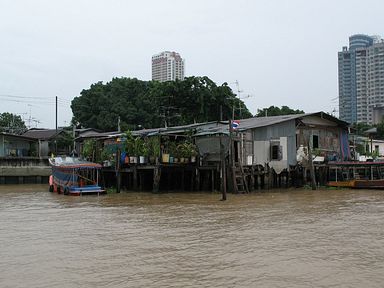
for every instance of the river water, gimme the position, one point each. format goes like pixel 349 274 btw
pixel 288 238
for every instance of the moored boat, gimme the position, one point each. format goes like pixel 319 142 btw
pixel 72 176
pixel 368 175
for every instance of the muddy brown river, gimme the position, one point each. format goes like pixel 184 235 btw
pixel 288 238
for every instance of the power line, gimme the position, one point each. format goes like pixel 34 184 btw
pixel 32 98
pixel 18 96
pixel 37 103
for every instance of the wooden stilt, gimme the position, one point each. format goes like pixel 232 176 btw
pixel 118 172
pixel 182 179
pixel 141 180
pixel 135 178
pixel 156 179
pixel 311 167
pixel 198 180
pixel 223 172
pixel 252 184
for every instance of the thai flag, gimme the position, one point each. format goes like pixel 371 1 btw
pixel 235 124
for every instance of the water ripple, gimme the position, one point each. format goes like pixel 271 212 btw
pixel 293 238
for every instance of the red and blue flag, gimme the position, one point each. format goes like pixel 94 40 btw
pixel 235 124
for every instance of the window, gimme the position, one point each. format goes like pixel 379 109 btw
pixel 276 151
pixel 315 141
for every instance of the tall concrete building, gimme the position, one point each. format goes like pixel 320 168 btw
pixel 167 66
pixel 361 80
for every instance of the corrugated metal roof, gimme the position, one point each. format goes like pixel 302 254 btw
pixel 371 131
pixel 18 136
pixel 43 134
pixel 220 127
pixel 256 122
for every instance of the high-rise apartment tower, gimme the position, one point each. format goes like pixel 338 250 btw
pixel 167 66
pixel 361 80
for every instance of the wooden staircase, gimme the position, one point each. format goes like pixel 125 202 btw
pixel 239 180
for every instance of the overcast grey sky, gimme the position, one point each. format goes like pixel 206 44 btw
pixel 280 52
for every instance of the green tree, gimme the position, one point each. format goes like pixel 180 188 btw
pixel 12 123
pixel 380 130
pixel 276 111
pixel 360 128
pixel 152 104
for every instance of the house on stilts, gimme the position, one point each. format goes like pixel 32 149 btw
pixel 239 156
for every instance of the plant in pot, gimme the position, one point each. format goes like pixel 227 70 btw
pixel 181 152
pixel 106 157
pixel 88 150
pixel 164 149
pixel 144 152
pixel 189 151
pixel 138 149
pixel 153 148
pixel 192 150
pixel 172 148
pixel 130 146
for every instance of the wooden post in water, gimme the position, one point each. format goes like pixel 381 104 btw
pixel 118 173
pixel 134 178
pixel 311 167
pixel 252 178
pixel 231 148
pixel 182 179
pixel 223 172
pixel 156 178
pixel 197 179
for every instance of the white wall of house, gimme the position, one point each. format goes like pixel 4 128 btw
pixel 377 145
pixel 263 153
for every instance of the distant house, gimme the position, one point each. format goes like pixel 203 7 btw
pixel 17 146
pixel 83 132
pixel 280 141
pixel 47 140
pixel 92 134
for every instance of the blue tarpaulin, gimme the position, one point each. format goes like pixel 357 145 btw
pixel 344 146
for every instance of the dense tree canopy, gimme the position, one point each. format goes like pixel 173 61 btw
pixel 276 111
pixel 155 104
pixel 360 128
pixel 12 123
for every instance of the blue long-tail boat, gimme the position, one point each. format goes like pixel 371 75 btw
pixel 73 176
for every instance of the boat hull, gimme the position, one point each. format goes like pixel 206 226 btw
pixel 358 184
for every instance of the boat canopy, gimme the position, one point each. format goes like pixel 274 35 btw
pixel 72 163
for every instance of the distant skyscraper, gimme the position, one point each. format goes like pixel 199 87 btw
pixel 361 80
pixel 167 66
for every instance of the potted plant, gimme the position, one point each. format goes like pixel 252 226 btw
pixel 105 158
pixel 144 152
pixel 164 150
pixel 188 151
pixel 138 150
pixel 172 148
pixel 153 144
pixel 193 152
pixel 130 147
pixel 89 149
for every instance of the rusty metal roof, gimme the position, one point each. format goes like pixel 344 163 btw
pixel 42 134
